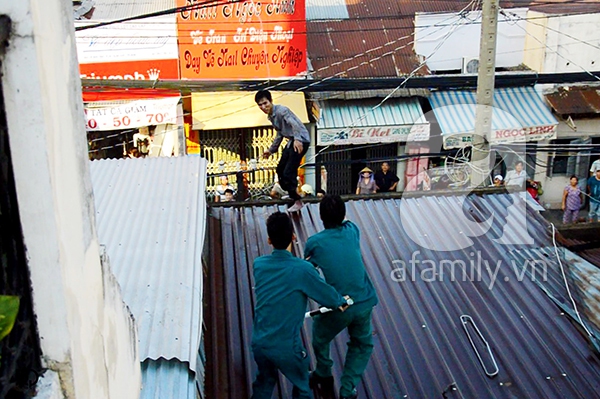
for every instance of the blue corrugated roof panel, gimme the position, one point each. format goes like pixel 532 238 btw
pixel 422 349
pixel 151 216
pixel 337 114
pixel 167 379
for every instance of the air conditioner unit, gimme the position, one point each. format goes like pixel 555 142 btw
pixel 470 65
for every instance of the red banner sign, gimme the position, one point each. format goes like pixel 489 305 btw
pixel 131 70
pixel 242 40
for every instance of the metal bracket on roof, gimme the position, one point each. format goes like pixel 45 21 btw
pixel 465 320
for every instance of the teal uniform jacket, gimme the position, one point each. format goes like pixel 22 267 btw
pixel 337 252
pixel 282 286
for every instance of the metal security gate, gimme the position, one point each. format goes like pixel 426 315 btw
pixel 20 351
pixel 234 150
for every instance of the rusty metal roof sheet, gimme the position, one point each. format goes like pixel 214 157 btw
pixel 573 100
pixel 362 48
pixel 421 347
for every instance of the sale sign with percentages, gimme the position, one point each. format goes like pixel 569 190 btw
pixel 242 39
pixel 134 114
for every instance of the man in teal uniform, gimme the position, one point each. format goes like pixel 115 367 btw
pixel 282 285
pixel 336 250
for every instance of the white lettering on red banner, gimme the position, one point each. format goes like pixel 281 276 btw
pixel 134 114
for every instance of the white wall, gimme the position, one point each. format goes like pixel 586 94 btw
pixel 87 333
pixel 463 41
pixel 554 186
pixel 570 54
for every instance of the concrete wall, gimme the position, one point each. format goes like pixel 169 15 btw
pixel 554 186
pixel 535 39
pixel 567 51
pixel 433 30
pixel 87 333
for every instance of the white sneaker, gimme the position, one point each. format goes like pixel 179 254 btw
pixel 296 207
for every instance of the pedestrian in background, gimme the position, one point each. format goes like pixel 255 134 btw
pixel 593 186
pixel 516 177
pixel 366 183
pixel 386 180
pixel 571 201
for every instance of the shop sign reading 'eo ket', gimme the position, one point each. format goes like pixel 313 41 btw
pixel 242 40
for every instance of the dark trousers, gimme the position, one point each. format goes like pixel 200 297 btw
pixel 291 361
pixel 360 346
pixel 287 169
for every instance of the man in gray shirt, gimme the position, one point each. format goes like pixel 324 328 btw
pixel 287 125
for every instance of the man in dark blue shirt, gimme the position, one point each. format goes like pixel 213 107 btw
pixel 386 180
pixel 282 285
pixel 291 127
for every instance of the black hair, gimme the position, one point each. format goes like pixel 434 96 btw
pixel 573 176
pixel 332 210
pixel 321 191
pixel 263 94
pixel 519 162
pixel 228 190
pixel 280 230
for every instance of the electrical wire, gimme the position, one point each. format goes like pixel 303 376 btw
pixel 191 7
pixel 562 269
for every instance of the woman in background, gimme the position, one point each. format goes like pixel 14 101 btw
pixel 366 183
pixel 571 201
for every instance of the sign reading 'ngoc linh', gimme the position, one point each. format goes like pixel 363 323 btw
pixel 242 40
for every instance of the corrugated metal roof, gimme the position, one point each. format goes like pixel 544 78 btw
pixel 163 379
pixel 107 10
pixel 151 216
pixel 362 113
pixel 421 348
pixel 326 9
pixel 575 100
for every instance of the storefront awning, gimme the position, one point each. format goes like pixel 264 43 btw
pixel 121 114
pixel 520 114
pixel 365 121
pixel 233 109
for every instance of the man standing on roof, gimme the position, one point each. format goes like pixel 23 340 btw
pixel 282 285
pixel 336 250
pixel 287 125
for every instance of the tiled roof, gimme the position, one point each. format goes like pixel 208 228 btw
pixel 422 349
pixel 151 216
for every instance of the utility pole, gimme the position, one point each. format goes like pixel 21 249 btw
pixel 485 93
